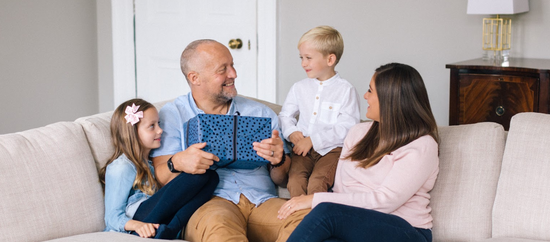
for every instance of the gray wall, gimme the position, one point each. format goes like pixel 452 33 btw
pixel 48 62
pixel 426 34
pixel 49 50
pixel 105 80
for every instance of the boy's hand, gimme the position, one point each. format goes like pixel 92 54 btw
pixel 295 137
pixel 303 146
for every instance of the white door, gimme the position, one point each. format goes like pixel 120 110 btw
pixel 164 28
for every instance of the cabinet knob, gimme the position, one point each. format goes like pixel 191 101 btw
pixel 500 111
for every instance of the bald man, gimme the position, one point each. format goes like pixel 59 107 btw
pixel 245 202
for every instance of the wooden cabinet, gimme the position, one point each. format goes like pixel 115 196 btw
pixel 482 91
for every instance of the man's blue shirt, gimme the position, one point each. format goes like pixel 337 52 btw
pixel 255 184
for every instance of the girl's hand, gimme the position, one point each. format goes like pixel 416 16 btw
pixel 147 230
pixel 303 146
pixel 144 230
pixel 295 204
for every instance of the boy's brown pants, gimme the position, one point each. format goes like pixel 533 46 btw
pixel 312 173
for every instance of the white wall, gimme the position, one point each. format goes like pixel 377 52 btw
pixel 426 34
pixel 48 62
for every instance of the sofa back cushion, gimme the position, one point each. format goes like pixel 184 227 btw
pixel 275 107
pixel 522 204
pixel 469 165
pixel 50 186
pixel 98 132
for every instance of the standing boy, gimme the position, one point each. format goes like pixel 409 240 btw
pixel 328 107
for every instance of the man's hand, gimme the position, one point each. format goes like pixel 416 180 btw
pixel 194 160
pixel 271 149
pixel 303 146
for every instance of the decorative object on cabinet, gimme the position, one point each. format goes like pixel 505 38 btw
pixel 484 90
pixel 497 32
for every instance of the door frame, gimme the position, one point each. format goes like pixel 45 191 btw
pixel 124 72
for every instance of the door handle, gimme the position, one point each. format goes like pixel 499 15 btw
pixel 235 43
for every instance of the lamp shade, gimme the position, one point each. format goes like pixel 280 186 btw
pixel 497 6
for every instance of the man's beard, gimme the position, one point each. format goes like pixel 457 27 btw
pixel 224 97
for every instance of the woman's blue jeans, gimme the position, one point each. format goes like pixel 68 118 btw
pixel 337 222
pixel 173 204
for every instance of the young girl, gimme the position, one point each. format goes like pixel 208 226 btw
pixel 134 201
pixel 386 170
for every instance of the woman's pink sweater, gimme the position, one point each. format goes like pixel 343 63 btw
pixel 398 184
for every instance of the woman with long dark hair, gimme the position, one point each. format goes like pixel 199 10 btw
pixel 385 172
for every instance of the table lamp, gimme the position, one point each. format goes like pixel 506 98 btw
pixel 497 32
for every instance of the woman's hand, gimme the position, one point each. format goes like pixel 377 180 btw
pixel 295 204
pixel 144 230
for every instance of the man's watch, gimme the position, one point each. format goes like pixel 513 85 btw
pixel 280 163
pixel 171 166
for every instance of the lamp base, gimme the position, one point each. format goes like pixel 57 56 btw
pixel 503 55
pixel 498 57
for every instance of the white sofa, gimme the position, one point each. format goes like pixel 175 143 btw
pixel 492 185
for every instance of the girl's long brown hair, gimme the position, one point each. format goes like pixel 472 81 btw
pixel 126 141
pixel 405 114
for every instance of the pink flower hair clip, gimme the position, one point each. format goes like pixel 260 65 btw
pixel 132 115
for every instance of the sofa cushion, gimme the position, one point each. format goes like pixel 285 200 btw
pixel 107 237
pixel 522 207
pixel 50 186
pixel 510 240
pixel 469 164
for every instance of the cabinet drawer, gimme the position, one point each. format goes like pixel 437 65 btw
pixel 495 98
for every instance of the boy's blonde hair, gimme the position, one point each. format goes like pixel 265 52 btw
pixel 326 40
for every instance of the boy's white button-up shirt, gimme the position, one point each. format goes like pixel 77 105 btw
pixel 327 110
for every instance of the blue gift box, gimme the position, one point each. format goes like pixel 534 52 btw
pixel 229 137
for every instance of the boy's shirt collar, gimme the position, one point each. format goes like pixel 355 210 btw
pixel 328 81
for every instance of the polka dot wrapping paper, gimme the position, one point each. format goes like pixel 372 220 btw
pixel 229 137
